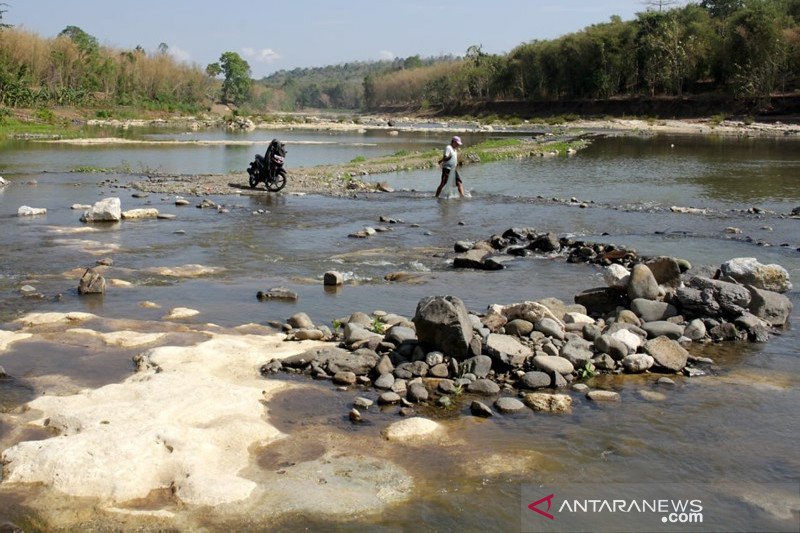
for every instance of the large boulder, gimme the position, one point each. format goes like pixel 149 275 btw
pixel 480 365
pixel 617 276
pixel 697 302
pixel 577 351
pixel 770 306
pixel 642 283
pixel 106 210
pixel 359 362
pixel 733 299
pixel 442 322
pixel 749 271
pixel 667 353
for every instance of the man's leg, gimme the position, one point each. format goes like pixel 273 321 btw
pixel 445 174
pixel 459 184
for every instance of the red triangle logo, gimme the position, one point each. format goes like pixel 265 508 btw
pixel 549 499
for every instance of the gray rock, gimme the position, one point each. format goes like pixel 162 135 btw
pixel 732 298
pixel 757 329
pixel 484 387
pixel 535 380
pixel 462 246
pixel 651 310
pixel 384 381
pixel 3 372
pixel 580 387
pixel 92 283
pixel 642 283
pixel 446 386
pixel 696 330
pixel 278 293
pixel 663 328
pixel 506 349
pixel 359 318
pixel 442 322
pixel 388 398
pixel 547 242
pixel 577 352
pixel 400 386
pixel 363 403
pixel 667 353
pixel 667 382
pixel 637 363
pixel 726 332
pixel 666 271
pixel 434 358
pixel 480 365
pixel 549 403
pixel 559 381
pixel 309 335
pixel 471 259
pixel 509 405
pixel 627 316
pixel 519 327
pixel 354 333
pixel 439 371
pixel 480 409
pixel 611 346
pixel 28 211
pixel 344 378
pixel 591 332
pixel 747 270
pixel 549 364
pixel 384 366
pixel 698 302
pixel 601 300
pixel 399 334
pixel 404 371
pixel 300 321
pixel 417 393
pixel 106 210
pixel 549 327
pixel 603 396
pixel 355 416
pixel 333 278
pixel 770 306
pixel 604 362
pixel 359 362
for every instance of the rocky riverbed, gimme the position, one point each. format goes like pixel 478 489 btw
pixel 646 320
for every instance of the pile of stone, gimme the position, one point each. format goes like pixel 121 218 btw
pixel 641 322
pixel 494 252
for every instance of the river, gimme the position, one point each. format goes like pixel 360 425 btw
pixel 739 425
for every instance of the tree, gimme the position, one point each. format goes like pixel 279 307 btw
pixel 722 8
pixel 86 43
pixel 236 86
pixel 2 25
pixel 163 48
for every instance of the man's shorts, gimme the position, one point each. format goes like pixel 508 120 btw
pixel 446 174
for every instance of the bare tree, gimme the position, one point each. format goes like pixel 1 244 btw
pixel 2 25
pixel 661 5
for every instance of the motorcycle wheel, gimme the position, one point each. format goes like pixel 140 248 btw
pixel 253 173
pixel 278 183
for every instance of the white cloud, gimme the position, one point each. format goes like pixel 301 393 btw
pixel 179 54
pixel 386 54
pixel 265 55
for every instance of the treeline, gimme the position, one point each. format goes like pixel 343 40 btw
pixel 73 69
pixel 330 87
pixel 742 48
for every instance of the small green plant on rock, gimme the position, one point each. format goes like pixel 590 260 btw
pixel 586 371
pixel 378 325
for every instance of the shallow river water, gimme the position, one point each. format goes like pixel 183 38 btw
pixel 740 424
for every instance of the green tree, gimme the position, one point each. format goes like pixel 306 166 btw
pixel 236 86
pixel 86 43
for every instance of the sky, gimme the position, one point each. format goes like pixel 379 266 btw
pixel 273 36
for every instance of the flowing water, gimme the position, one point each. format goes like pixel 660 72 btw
pixel 739 425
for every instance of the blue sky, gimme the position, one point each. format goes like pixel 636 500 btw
pixel 307 33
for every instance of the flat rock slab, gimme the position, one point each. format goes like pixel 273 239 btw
pixel 553 363
pixel 186 421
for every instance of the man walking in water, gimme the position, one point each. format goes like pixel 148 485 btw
pixel 449 161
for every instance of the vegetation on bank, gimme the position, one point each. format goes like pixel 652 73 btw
pixel 742 48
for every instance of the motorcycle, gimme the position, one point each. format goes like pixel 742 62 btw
pixel 268 169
